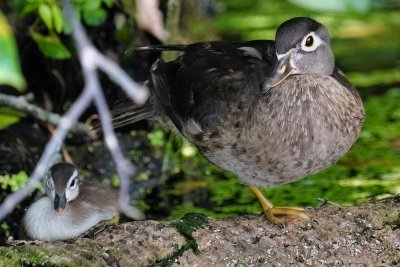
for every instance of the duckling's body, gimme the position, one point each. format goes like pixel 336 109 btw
pixel 44 220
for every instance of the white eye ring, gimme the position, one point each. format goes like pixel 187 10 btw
pixel 315 42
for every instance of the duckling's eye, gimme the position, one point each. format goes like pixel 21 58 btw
pixel 309 41
pixel 73 183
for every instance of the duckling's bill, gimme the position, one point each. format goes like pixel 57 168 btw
pixel 60 202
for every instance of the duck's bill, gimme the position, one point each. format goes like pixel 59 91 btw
pixel 60 202
pixel 283 69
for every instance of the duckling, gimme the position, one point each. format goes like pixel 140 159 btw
pixel 70 207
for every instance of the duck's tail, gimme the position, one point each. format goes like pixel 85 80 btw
pixel 154 48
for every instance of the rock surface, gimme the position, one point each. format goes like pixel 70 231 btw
pixel 365 235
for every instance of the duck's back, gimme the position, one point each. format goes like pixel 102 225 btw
pixel 209 82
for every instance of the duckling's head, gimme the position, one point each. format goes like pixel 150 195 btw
pixel 62 185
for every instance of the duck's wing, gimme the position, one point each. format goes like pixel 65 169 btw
pixel 97 196
pixel 209 81
pixel 339 76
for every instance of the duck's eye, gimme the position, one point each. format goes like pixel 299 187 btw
pixel 73 183
pixel 309 41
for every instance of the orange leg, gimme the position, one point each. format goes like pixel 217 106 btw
pixel 279 215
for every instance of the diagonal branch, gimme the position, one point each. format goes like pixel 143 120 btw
pixel 20 103
pixel 91 59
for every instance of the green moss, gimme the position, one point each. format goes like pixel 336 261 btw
pixel 29 255
pixel 26 256
pixel 189 223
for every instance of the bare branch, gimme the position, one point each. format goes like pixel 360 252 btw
pixel 124 168
pixel 90 59
pixel 21 104
pixel 136 92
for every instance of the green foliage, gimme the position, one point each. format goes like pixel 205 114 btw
pixel 45 14
pixel 115 181
pixel 374 78
pixel 177 151
pixel 10 70
pixel 91 11
pixel 9 116
pixel 157 138
pixel 51 46
pixel 50 14
pixel 14 181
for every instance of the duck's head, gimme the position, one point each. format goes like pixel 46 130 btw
pixel 302 47
pixel 63 185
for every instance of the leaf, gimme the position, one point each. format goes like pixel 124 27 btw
pixel 115 181
pixel 10 70
pixel 25 6
pixel 14 181
pixel 91 4
pixel 157 138
pixel 58 19
pixel 51 46
pixel 45 14
pixel 94 17
pixel 9 116
pixel 108 3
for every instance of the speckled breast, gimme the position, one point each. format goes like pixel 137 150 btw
pixel 296 129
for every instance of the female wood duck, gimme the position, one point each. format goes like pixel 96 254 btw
pixel 70 208
pixel 270 112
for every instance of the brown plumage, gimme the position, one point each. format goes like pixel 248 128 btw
pixel 270 112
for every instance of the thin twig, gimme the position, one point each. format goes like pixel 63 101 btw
pixel 20 103
pixel 87 52
pixel 90 59
pixel 136 92
pixel 65 154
